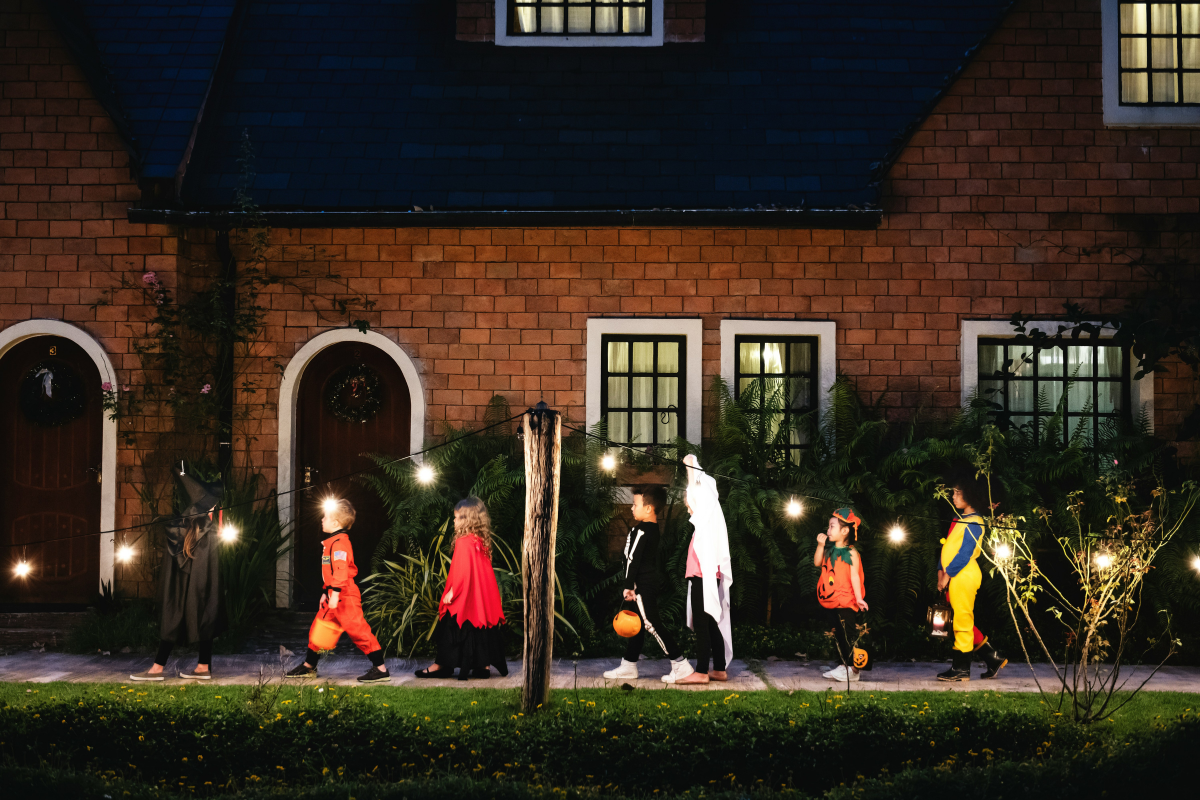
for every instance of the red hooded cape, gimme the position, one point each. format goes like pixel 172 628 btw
pixel 476 597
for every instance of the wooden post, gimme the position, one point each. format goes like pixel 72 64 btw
pixel 542 430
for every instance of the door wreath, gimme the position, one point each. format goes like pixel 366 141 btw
pixel 354 394
pixel 52 394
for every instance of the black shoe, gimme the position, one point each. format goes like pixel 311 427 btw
pixel 463 673
pixel 375 675
pixel 437 673
pixel 481 673
pixel 960 669
pixel 302 671
pixel 994 661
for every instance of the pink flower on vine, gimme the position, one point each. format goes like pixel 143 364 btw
pixel 106 387
pixel 207 388
pixel 150 279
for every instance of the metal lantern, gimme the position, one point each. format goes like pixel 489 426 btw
pixel 940 620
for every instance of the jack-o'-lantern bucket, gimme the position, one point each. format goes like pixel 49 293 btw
pixel 324 635
pixel 627 624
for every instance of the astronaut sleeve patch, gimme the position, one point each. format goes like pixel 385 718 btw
pixel 339 555
pixel 324 559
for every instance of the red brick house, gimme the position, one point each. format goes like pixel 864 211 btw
pixel 787 191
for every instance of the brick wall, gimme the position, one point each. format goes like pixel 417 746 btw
pixel 475 21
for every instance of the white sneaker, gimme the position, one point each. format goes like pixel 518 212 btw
pixel 679 669
pixel 838 673
pixel 627 671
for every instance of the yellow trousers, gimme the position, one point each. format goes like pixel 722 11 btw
pixel 963 588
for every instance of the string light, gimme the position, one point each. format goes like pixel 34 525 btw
pixel 1103 560
pixel 896 534
pixel 330 505
pixel 229 533
pixel 794 509
pixel 608 463
pixel 425 474
pixel 124 553
pixel 1003 551
pixel 22 569
pixel 1196 563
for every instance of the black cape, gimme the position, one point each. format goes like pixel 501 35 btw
pixel 192 610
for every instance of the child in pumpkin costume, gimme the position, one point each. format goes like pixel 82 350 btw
pixel 841 589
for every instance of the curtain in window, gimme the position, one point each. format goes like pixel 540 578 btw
pixel 618 391
pixel 668 390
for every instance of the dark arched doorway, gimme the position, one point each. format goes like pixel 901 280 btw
pixel 329 447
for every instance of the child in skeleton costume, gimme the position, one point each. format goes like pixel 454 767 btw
pixel 840 588
pixel 192 611
pixel 961 577
pixel 709 575
pixel 640 585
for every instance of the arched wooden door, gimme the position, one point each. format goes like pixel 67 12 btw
pixel 328 447
pixel 50 449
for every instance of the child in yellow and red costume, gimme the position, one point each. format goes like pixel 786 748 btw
pixel 841 588
pixel 961 577
pixel 341 602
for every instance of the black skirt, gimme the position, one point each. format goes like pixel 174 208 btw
pixel 468 647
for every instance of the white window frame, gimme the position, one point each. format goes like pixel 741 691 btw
pixel 693 329
pixel 1117 115
pixel 655 39
pixel 1141 392
pixel 825 333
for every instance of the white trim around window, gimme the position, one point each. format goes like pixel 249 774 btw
pixel 1141 392
pixel 655 39
pixel 693 329
pixel 825 332
pixel 1115 114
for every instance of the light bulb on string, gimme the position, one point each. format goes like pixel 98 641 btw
pixel 897 534
pixel 608 463
pixel 1103 560
pixel 124 554
pixel 22 569
pixel 1003 551
pixel 794 509
pixel 1196 563
pixel 330 505
pixel 425 475
pixel 229 533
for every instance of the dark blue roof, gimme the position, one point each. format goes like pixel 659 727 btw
pixel 375 105
pixel 159 56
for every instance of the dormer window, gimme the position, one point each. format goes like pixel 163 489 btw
pixel 579 23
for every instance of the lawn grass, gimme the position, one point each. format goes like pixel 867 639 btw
pixel 399 742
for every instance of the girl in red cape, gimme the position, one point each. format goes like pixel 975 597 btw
pixel 470 629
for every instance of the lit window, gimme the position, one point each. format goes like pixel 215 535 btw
pixel 1160 54
pixel 780 373
pixel 583 17
pixel 643 382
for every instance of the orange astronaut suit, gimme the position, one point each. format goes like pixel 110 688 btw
pixel 338 571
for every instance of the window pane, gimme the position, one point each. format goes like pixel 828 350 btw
pixel 668 356
pixel 552 20
pixel 668 392
pixel 1109 397
pixel 635 20
pixel 643 356
pixel 606 18
pixel 1162 53
pixel 1020 396
pixel 801 355
pixel 1191 55
pixel 643 393
pixel 1050 363
pixel 1135 87
pixel 1190 12
pixel 1051 395
pixel 990 391
pixel 1165 87
pixel 1022 422
pixel 1109 365
pixel 618 426
pixel 618 356
pixel 773 358
pixel 618 392
pixel 1079 361
pixel 748 358
pixel 1133 18
pixel 643 427
pixel 1162 17
pixel 527 20
pixel 1133 53
pixel 991 359
pixel 744 385
pixel 1191 87
pixel 773 395
pixel 802 393
pixel 579 20
pixel 668 430
pixel 1079 397
pixel 1020 361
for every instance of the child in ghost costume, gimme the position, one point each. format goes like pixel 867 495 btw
pixel 709 576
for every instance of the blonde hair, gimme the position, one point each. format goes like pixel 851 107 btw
pixel 343 514
pixel 474 520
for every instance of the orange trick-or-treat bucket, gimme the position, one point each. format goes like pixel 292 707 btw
pixel 324 635
pixel 627 624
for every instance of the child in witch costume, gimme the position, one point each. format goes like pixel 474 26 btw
pixel 841 589
pixel 960 577
pixel 641 585
pixel 341 601
pixel 470 628
pixel 191 581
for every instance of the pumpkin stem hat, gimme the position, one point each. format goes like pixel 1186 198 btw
pixel 848 515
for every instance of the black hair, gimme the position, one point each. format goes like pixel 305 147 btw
pixel 652 494
pixel 974 491
pixel 853 537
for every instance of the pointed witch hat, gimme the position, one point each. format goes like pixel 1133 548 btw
pixel 202 497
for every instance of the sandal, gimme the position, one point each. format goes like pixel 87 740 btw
pixel 437 673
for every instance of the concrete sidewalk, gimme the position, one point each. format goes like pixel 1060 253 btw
pixel 34 667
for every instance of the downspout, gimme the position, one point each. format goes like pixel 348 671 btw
pixel 225 354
